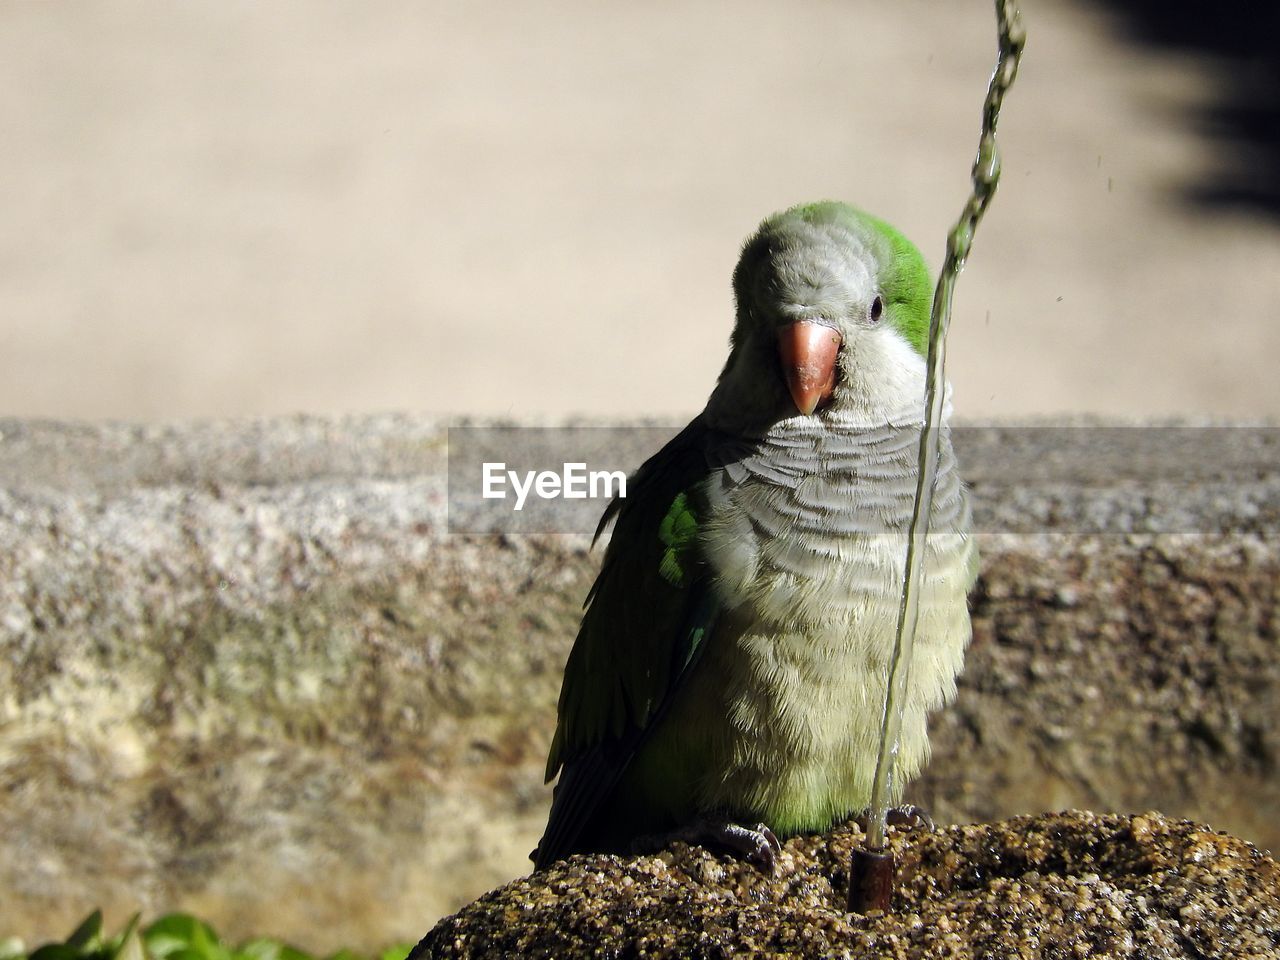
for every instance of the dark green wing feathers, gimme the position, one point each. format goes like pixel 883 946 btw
pixel 645 620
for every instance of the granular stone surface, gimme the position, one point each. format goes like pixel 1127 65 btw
pixel 1056 886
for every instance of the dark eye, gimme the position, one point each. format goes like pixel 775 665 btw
pixel 877 308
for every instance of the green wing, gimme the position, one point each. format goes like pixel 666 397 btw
pixel 645 620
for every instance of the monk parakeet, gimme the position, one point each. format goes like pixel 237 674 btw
pixel 731 666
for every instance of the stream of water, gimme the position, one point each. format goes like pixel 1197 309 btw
pixel 986 175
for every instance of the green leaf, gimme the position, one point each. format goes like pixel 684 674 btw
pixel 260 949
pixel 182 926
pixel 129 945
pixel 88 932
pixel 180 933
pixel 162 945
pixel 176 936
pixel 56 951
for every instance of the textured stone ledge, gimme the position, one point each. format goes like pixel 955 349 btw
pixel 1055 886
pixel 245 670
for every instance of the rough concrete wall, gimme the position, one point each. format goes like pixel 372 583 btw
pixel 245 670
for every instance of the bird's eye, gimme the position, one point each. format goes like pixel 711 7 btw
pixel 877 308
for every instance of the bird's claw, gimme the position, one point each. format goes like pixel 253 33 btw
pixel 757 845
pixel 910 817
pixel 907 816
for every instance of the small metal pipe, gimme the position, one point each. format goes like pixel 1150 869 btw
pixel 871 875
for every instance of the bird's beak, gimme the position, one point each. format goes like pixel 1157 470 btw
pixel 808 351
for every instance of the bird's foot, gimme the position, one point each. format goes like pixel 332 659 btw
pixel 910 817
pixel 757 845
pixel 907 816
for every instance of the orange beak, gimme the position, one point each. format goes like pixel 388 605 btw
pixel 808 352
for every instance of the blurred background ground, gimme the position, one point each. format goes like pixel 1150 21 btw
pixel 221 209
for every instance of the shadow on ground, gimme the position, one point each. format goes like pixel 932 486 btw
pixel 1244 118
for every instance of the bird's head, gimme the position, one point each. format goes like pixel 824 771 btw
pixel 832 317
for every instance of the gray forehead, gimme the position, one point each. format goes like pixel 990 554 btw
pixel 818 264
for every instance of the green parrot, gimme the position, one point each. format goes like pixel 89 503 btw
pixel 728 679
